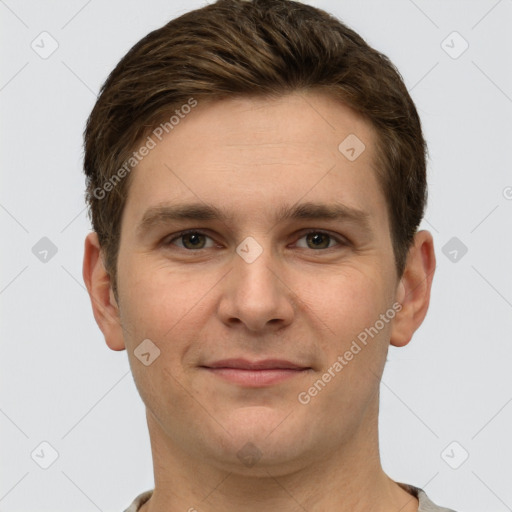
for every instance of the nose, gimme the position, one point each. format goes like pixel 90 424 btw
pixel 256 295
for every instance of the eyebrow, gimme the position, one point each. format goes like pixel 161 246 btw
pixel 164 214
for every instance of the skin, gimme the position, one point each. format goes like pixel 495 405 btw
pixel 295 301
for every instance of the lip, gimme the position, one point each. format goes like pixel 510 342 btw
pixel 264 364
pixel 255 373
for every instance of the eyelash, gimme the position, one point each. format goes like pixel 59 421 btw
pixel 341 241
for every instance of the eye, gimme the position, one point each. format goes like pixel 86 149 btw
pixel 320 240
pixel 196 240
pixel 191 240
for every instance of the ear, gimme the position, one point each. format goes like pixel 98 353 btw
pixel 413 292
pixel 104 305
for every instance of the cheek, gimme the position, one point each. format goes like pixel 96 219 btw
pixel 156 298
pixel 165 307
pixel 351 306
pixel 348 301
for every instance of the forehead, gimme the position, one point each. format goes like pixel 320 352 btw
pixel 249 155
pixel 311 124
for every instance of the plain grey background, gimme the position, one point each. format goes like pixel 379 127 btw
pixel 446 410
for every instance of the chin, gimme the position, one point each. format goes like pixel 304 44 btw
pixel 259 438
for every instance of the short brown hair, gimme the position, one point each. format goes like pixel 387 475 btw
pixel 252 48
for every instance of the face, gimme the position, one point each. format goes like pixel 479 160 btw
pixel 269 319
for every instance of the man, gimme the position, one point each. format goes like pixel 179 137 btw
pixel 256 179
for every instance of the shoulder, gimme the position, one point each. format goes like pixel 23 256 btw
pixel 425 503
pixel 139 501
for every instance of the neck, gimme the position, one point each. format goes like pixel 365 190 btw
pixel 349 479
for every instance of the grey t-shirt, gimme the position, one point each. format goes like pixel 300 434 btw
pixel 425 505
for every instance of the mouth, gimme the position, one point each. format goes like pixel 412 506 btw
pixel 255 373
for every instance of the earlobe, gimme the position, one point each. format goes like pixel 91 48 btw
pixel 413 291
pixel 104 306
